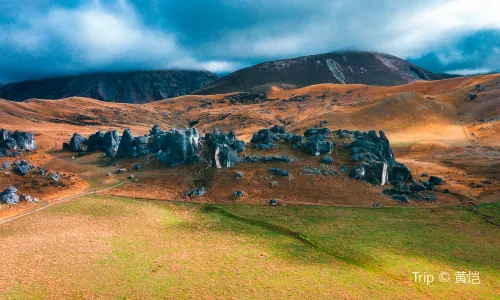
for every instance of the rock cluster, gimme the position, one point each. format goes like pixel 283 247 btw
pixel 374 159
pixel 223 148
pixel 177 146
pixel 267 138
pixel 314 139
pixel 22 167
pixel 12 143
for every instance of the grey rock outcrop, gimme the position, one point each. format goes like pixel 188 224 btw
pixel 22 167
pixel 77 143
pixel 9 196
pixel 126 147
pixel 13 143
pixel 223 148
pixel 177 146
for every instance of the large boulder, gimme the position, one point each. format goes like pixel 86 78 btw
pixel 126 147
pixel 22 167
pixel 375 161
pixel 9 196
pixel 155 130
pixel 223 148
pixel 4 135
pixel 177 146
pixel 110 143
pixel 24 140
pixel 10 144
pixel 77 143
pixel 95 141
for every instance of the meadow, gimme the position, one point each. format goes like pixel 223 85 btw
pixel 116 247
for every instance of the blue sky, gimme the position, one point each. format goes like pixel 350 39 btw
pixel 58 37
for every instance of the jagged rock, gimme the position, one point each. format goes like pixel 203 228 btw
pixel 273 202
pixel 196 192
pixel 273 183
pixel 278 171
pixel 126 147
pixel 223 148
pixel 238 175
pixel 66 146
pixel 425 174
pixel 317 147
pixel 429 186
pixel 177 147
pixel 327 159
pixel 400 173
pixel 110 143
pixel 9 196
pixel 317 131
pixel 24 140
pixel 155 130
pixel 137 166
pixel 267 138
pixel 238 194
pixel 435 180
pixel 95 141
pixel 4 135
pixel 77 143
pixel 22 167
pixel 10 144
pixel 118 171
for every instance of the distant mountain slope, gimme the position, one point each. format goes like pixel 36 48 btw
pixel 125 87
pixel 342 68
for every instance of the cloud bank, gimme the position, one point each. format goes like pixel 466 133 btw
pixel 48 38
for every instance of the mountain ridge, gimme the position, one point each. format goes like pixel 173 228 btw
pixel 348 67
pixel 141 86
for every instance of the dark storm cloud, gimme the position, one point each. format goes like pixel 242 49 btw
pixel 46 38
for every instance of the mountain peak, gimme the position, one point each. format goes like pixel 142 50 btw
pixel 347 67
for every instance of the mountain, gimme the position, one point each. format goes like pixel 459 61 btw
pixel 125 87
pixel 337 67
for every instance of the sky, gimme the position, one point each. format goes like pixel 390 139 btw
pixel 47 38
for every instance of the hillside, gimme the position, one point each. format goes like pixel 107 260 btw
pixel 124 87
pixel 341 67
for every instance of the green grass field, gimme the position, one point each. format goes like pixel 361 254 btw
pixel 112 247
